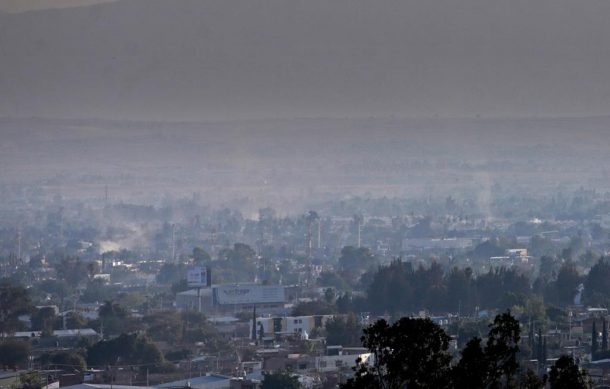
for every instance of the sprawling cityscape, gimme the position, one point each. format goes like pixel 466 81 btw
pixel 106 282
pixel 264 194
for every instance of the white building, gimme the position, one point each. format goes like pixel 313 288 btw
pixel 233 298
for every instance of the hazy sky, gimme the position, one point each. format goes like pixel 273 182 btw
pixel 210 59
pixel 29 5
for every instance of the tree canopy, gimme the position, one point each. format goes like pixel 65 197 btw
pixel 280 380
pixel 14 301
pixel 413 353
pixel 354 261
pixel 200 256
pixel 130 348
pixel 597 283
pixel 565 374
pixel 409 353
pixel 14 353
pixel 398 288
pixel 343 331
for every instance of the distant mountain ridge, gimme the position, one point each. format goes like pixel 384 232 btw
pixel 212 59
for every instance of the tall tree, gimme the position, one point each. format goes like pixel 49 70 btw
pixel 565 374
pixel 597 283
pixel 544 355
pixel 164 326
pixel 539 347
pixel 64 359
pixel 44 319
pixel 343 331
pixel 530 338
pixel 392 288
pixel 14 301
pixel 565 287
pixel 73 270
pixel 471 371
pixel 531 380
pixel 239 263
pixel 14 353
pixel 501 350
pixel 460 290
pixel 354 261
pixel 280 380
pixel 496 365
pixel 75 320
pixel 593 341
pixel 409 353
pixel 129 349
pixel 113 317
pixel 200 256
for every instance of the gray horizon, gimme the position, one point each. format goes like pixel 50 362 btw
pixel 208 60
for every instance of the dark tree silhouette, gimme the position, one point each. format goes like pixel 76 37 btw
pixel 14 354
pixel 14 301
pixel 494 366
pixel 412 353
pixel 501 350
pixel 565 374
pixel 563 290
pixel 597 283
pixel 200 256
pixel 354 261
pixel 343 331
pixel 131 349
pixel 43 319
pixel 409 353
pixel 471 370
pixel 280 380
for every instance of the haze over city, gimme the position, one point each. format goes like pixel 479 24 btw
pixel 261 194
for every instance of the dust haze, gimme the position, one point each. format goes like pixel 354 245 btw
pixel 293 164
pixel 280 103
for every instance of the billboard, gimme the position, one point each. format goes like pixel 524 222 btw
pixel 248 294
pixel 197 276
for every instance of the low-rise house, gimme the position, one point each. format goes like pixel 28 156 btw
pixel 59 338
pixel 272 326
pixel 209 381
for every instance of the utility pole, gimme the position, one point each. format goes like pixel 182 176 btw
pixel 358 219
pixel 308 240
pixel 61 225
pixel 199 299
pixel 570 325
pixel 310 218
pixel 319 233
pixel 173 242
pixel 19 243
pixel 254 324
